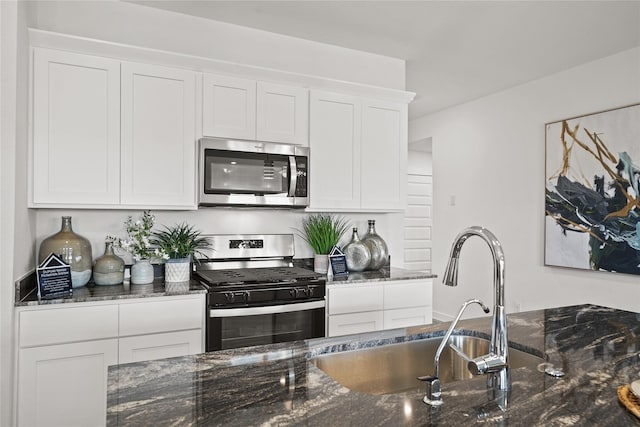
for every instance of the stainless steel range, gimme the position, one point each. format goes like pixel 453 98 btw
pixel 255 293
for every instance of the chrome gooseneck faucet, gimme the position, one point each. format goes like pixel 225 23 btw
pixel 496 362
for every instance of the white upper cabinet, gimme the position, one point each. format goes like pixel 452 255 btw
pixel 334 151
pixel 112 134
pixel 158 136
pixel 76 129
pixel 358 153
pixel 247 109
pixel 282 113
pixel 228 107
pixel 384 155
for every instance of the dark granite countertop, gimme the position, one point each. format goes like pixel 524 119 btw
pixel 93 292
pixel 382 275
pixel 598 349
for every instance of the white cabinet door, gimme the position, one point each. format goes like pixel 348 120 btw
pixel 228 107
pixel 334 141
pixel 404 317
pixel 384 155
pixel 159 346
pixel 282 113
pixel 355 298
pixel 76 129
pixel 158 136
pixel 65 385
pixel 355 323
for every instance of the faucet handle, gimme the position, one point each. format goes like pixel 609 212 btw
pixel 487 364
pixel 434 392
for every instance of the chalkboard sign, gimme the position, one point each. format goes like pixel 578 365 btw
pixel 54 278
pixel 338 262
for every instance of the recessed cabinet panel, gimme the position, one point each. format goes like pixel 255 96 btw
pixel 384 155
pixel 160 316
pixel 76 117
pixel 353 299
pixel 355 323
pixel 282 113
pixel 158 136
pixel 159 346
pixel 335 151
pixel 403 294
pixel 229 107
pixel 57 325
pixel 65 385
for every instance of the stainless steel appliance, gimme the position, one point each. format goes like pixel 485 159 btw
pixel 255 293
pixel 252 173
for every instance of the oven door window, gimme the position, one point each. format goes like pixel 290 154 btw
pixel 248 330
pixel 245 173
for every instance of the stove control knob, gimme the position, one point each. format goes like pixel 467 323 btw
pixel 309 292
pixel 229 296
pixel 294 292
pixel 246 296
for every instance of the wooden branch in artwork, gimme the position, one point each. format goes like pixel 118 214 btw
pixel 576 227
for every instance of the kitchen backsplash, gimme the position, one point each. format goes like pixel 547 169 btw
pixel 95 225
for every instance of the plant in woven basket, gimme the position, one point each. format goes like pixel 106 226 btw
pixel 322 231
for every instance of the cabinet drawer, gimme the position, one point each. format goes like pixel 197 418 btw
pixel 161 316
pixel 355 299
pixel 409 294
pixel 404 317
pixel 59 325
pixel 356 323
pixel 159 346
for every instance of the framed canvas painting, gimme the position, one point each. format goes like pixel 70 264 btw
pixel 592 197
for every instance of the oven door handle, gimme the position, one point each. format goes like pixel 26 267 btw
pixel 269 309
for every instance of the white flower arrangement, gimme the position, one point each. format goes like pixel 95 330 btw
pixel 138 242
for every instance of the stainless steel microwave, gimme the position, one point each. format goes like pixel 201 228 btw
pixel 252 173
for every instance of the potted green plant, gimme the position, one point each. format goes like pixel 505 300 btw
pixel 322 232
pixel 179 242
pixel 138 244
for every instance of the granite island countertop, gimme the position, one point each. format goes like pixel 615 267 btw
pixel 382 275
pixel 598 348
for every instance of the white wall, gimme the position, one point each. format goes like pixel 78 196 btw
pixel 419 162
pixel 168 31
pixel 489 156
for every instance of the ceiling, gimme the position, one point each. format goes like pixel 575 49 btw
pixel 455 51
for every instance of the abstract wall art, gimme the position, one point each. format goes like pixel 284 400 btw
pixel 592 197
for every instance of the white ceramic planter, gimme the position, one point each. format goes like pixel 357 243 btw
pixel 177 270
pixel 320 263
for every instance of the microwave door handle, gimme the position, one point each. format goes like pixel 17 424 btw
pixel 293 176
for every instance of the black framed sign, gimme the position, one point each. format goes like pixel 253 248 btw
pixel 54 278
pixel 338 262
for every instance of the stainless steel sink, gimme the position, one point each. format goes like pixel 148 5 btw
pixel 394 368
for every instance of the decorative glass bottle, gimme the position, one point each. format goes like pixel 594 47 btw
pixel 74 249
pixel 109 268
pixel 356 253
pixel 377 247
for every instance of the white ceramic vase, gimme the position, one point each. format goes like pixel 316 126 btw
pixel 177 270
pixel 142 272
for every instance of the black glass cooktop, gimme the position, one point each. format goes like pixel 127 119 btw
pixel 264 275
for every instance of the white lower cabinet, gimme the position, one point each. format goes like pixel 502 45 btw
pixel 65 351
pixel 159 346
pixel 354 308
pixel 65 385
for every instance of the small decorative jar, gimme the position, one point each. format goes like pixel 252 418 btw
pixel 356 253
pixel 377 247
pixel 321 263
pixel 74 249
pixel 142 272
pixel 109 268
